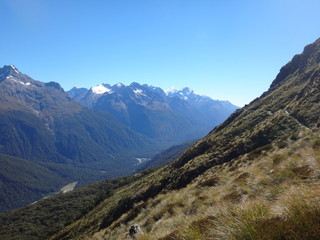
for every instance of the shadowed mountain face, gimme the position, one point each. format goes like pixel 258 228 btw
pixel 291 105
pixel 39 122
pixel 43 116
pixel 171 116
pixel 273 128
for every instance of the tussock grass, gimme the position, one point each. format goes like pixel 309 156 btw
pixel 296 216
pixel 276 196
pixel 240 223
pixel 316 144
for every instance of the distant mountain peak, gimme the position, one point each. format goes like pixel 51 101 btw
pixel 10 73
pixel 186 89
pixel 155 113
pixel 186 94
pixel 135 84
pixel 171 90
pixel 78 88
pixel 10 67
pixel 14 68
pixel 7 70
pixel 100 89
pixel 119 85
pixel 54 85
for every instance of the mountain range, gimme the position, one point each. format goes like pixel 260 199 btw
pixel 51 135
pixel 50 140
pixel 169 116
pixel 255 176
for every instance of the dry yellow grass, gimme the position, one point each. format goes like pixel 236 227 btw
pixel 261 195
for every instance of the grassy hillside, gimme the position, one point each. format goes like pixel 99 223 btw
pixel 270 193
pixel 289 107
pixel 255 176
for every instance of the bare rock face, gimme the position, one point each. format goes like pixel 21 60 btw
pixel 134 230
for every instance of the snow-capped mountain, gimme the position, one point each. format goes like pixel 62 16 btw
pixel 48 140
pixel 186 94
pixel 211 109
pixel 171 115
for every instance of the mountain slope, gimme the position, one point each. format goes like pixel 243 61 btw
pixel 39 122
pixel 170 117
pixel 270 193
pixel 167 156
pixel 42 115
pixel 23 182
pixel 256 176
pixel 42 219
pixel 289 107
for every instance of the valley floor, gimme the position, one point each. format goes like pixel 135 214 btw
pixel 68 187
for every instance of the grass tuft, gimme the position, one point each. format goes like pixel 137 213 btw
pixel 236 224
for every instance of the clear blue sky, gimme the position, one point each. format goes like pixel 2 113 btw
pixel 226 49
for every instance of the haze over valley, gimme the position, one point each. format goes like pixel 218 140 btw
pixel 159 120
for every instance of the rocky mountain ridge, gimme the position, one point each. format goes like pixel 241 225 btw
pixel 289 110
pixel 255 176
pixel 39 122
pixel 163 115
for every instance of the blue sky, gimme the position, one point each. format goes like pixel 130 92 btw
pixel 226 49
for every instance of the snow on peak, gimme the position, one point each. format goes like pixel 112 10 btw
pixel 17 81
pixel 186 94
pixel 119 85
pixel 100 89
pixel 171 90
pixel 26 84
pixel 138 91
pixel 75 88
pixel 14 68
